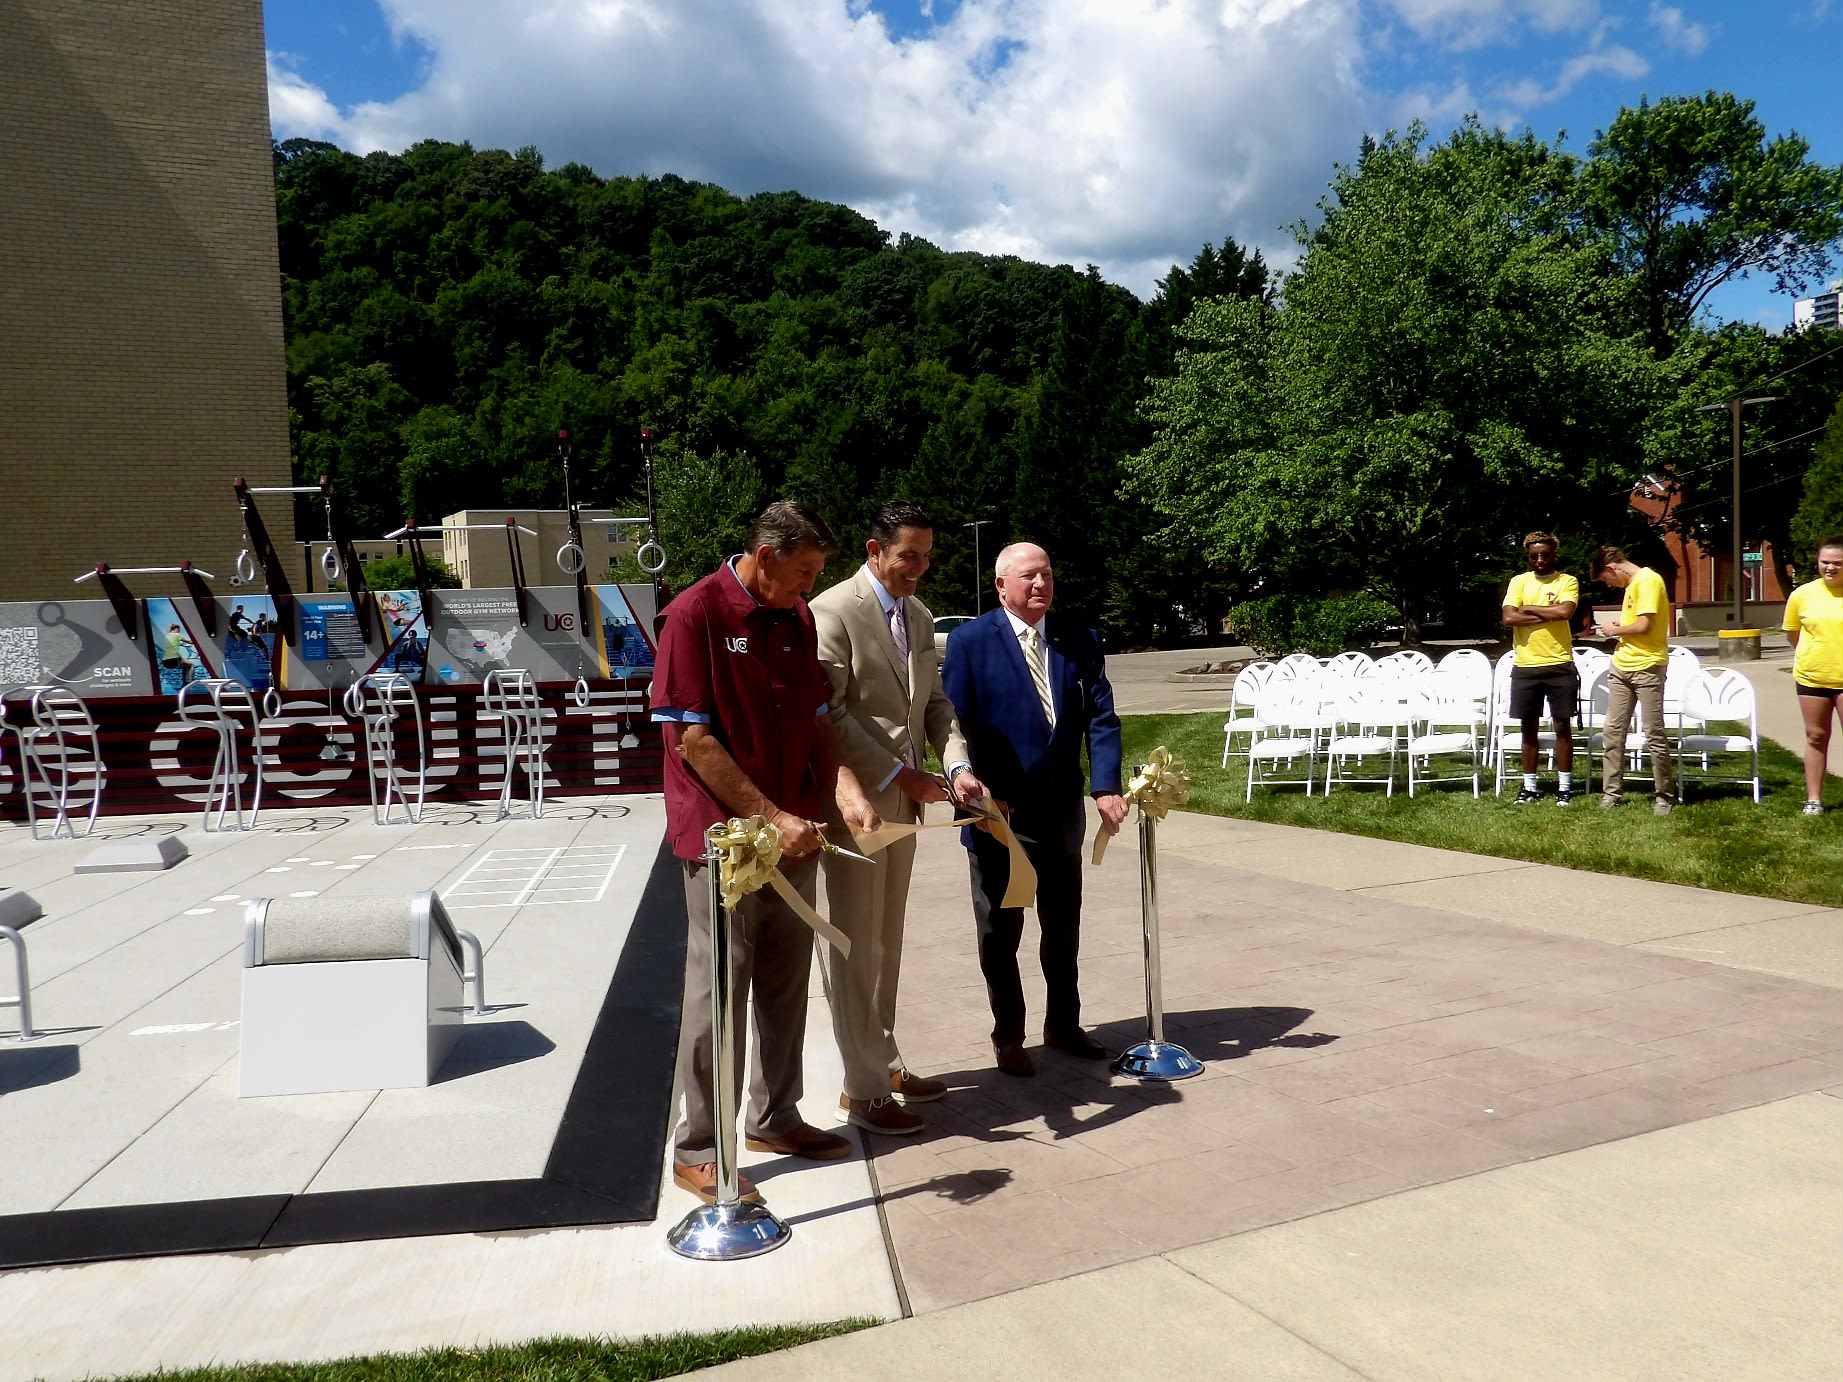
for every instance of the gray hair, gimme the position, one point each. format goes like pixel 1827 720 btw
pixel 786 526
pixel 1001 566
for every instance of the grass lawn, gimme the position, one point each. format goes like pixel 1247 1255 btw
pixel 1718 839
pixel 548 1360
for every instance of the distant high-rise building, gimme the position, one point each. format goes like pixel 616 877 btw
pixel 1825 310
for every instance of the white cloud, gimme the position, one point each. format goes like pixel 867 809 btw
pixel 1675 31
pixel 1474 23
pixel 298 108
pixel 1120 132
pixel 1613 60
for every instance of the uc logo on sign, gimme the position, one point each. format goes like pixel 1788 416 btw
pixel 559 621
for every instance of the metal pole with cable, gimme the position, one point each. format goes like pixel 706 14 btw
pixel 1734 407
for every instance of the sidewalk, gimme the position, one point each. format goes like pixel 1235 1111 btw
pixel 1463 1118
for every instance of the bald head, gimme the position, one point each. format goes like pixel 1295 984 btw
pixel 1025 583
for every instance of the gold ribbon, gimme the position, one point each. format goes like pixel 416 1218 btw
pixel 1021 882
pixel 1160 784
pixel 748 851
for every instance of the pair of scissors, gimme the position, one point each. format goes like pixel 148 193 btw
pixel 827 847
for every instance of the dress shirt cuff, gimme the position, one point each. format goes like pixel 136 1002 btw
pixel 890 776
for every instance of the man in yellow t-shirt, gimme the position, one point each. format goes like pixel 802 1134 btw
pixel 1538 605
pixel 1636 677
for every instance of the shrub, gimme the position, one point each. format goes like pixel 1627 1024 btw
pixel 1323 627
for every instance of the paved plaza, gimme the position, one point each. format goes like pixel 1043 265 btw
pixel 1462 1117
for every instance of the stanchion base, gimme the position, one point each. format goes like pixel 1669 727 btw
pixel 727 1232
pixel 1161 1061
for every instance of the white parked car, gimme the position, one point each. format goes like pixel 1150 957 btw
pixel 945 624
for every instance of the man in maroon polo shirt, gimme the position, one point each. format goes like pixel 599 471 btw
pixel 741 699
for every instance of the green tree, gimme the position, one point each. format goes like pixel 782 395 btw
pixel 1820 515
pixel 1448 369
pixel 1692 194
pixel 399 573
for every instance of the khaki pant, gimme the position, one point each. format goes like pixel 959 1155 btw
pixel 1623 690
pixel 869 904
pixel 771 962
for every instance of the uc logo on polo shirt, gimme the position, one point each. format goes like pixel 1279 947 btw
pixel 737 645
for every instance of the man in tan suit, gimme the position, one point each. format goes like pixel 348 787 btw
pixel 876 644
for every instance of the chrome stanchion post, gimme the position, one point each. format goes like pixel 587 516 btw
pixel 1154 1059
pixel 727 1229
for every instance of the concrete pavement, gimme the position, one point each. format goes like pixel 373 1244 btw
pixel 1442 1135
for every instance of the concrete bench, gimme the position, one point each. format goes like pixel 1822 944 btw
pixel 351 993
pixel 17 910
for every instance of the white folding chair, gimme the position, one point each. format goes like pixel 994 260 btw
pixel 1250 682
pixel 1444 726
pixel 1406 661
pixel 1679 674
pixel 1720 695
pixel 1285 730
pixel 1368 724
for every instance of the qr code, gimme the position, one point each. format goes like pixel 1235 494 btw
pixel 19 663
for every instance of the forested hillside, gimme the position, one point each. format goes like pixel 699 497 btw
pixel 448 310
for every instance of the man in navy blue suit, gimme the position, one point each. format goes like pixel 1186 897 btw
pixel 1030 688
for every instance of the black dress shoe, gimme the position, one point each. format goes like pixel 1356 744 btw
pixel 1076 1043
pixel 1013 1059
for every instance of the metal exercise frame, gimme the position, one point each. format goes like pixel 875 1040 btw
pixel 339 558
pixel 60 757
pixel 378 699
pixel 224 704
pixel 511 694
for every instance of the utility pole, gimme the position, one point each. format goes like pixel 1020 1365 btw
pixel 978 575
pixel 1734 406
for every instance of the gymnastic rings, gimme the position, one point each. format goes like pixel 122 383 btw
pixel 570 559
pixel 271 703
pixel 654 563
pixel 329 563
pixel 580 693
pixel 246 569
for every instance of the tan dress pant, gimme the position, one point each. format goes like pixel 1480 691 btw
pixel 1623 690
pixel 771 962
pixel 869 905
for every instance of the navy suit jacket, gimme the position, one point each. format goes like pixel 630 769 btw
pixel 1014 753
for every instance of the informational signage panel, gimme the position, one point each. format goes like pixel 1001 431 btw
pixel 478 631
pixel 79 644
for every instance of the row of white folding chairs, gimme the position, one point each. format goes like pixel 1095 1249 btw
pixel 1348 677
pixel 1704 697
pixel 1365 738
pixel 1589 663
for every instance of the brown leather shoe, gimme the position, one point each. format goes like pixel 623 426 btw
pixel 1013 1059
pixel 701 1180
pixel 802 1140
pixel 883 1115
pixel 1075 1043
pixel 915 1089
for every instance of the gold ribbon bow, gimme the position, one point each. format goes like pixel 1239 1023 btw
pixel 1160 784
pixel 748 852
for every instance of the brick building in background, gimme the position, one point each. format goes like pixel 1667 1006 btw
pixel 141 356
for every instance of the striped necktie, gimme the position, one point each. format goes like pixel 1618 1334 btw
pixel 899 631
pixel 1039 673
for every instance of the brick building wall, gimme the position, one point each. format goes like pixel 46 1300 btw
pixel 141 358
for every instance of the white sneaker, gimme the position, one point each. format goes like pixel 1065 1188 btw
pixel 1813 808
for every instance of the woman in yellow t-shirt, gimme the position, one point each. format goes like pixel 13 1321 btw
pixel 1814 628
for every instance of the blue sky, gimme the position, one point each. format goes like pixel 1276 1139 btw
pixel 1119 132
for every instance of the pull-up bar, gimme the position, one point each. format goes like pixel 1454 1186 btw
pixel 185 568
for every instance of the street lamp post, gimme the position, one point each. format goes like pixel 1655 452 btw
pixel 976 525
pixel 1733 407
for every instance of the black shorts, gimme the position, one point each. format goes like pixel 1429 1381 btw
pixel 1828 693
pixel 1533 687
